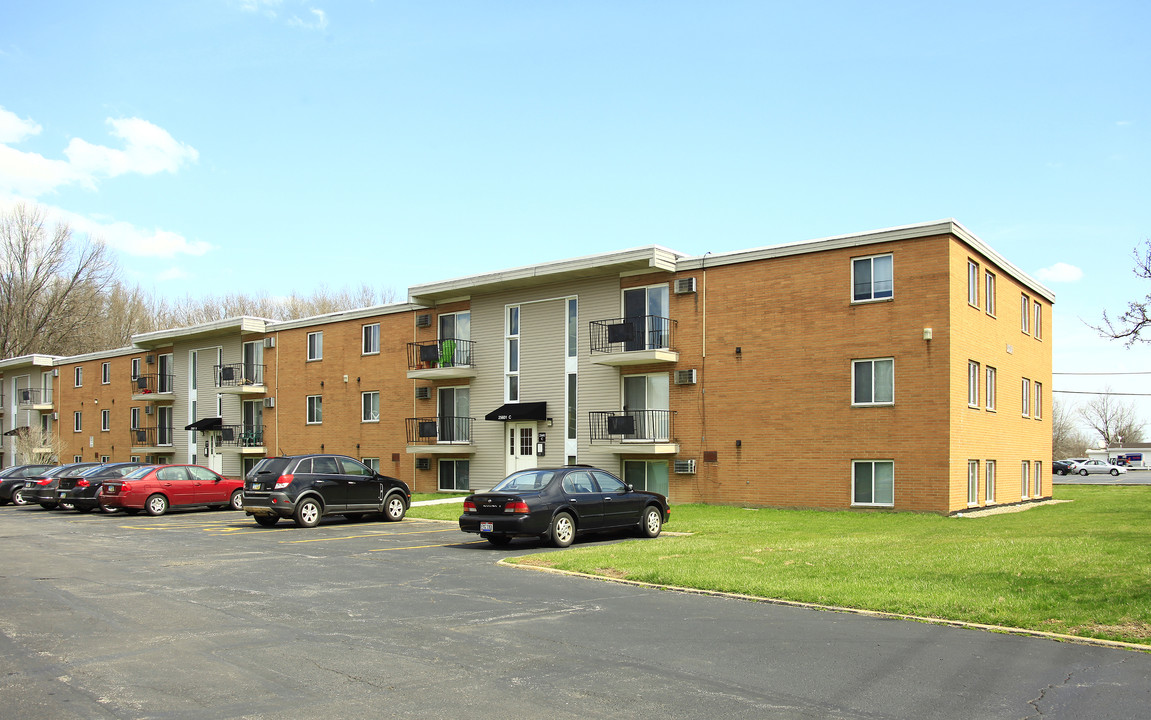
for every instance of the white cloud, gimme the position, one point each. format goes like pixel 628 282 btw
pixel 1060 272
pixel 32 174
pixel 148 150
pixel 319 20
pixel 14 130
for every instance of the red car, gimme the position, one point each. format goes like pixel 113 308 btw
pixel 155 488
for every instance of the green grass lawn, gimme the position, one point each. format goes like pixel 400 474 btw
pixel 1079 568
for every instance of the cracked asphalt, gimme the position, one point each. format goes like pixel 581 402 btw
pixel 204 614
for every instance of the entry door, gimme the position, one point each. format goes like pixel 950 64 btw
pixel 213 459
pixel 521 442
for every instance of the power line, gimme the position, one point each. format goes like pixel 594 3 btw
pixel 1102 373
pixel 1088 392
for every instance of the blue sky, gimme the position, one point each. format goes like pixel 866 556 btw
pixel 396 143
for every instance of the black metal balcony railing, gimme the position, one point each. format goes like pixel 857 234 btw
pixel 153 383
pixel 618 426
pixel 432 430
pixel 647 332
pixel 449 352
pixel 155 436
pixel 239 374
pixel 27 397
pixel 242 435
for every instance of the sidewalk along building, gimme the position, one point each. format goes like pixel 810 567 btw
pixel 903 368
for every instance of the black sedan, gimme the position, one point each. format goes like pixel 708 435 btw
pixel 41 489
pixel 556 503
pixel 14 478
pixel 81 490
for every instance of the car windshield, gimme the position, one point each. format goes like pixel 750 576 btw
pixel 526 480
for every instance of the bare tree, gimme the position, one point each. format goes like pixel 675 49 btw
pixel 1130 325
pixel 51 285
pixel 1112 420
pixel 37 447
pixel 194 311
pixel 1067 439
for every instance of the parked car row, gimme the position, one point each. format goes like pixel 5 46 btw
pixel 1084 466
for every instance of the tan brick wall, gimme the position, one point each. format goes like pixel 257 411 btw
pixel 90 399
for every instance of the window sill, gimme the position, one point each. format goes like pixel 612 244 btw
pixel 872 301
pixel 872 505
pixel 872 405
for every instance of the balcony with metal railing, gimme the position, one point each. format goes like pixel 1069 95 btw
pixel 241 378
pixel 34 399
pixel 440 435
pixel 154 387
pixel 441 359
pixel 154 439
pixel 641 340
pixel 248 439
pixel 642 432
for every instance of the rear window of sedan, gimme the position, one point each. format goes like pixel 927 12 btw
pixel 527 480
pixel 139 472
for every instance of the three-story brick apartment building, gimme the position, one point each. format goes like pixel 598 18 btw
pixel 904 368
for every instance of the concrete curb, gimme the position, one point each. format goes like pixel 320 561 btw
pixel 1114 644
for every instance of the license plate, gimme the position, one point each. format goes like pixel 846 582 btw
pixel 60 495
pixel 486 527
pixel 255 486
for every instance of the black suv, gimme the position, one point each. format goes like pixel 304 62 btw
pixel 308 487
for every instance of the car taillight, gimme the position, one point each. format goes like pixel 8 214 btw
pixel 469 506
pixel 81 483
pixel 516 506
pixel 45 481
pixel 284 481
pixel 125 487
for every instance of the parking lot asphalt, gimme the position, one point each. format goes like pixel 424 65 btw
pixel 204 614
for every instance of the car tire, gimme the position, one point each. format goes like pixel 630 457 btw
pixel 1114 472
pixel 651 522
pixel 156 505
pixel 1061 471
pixel 308 513
pixel 498 540
pixel 18 500
pixel 394 508
pixel 66 506
pixel 236 502
pixel 109 510
pixel 562 530
pixel 266 520
pixel 1083 473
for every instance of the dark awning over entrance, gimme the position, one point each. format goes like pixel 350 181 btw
pixel 17 431
pixel 519 411
pixel 206 424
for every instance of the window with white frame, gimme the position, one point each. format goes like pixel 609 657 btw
pixel 1026 387
pixel 315 409
pixel 78 378
pixel 972 384
pixel 1025 476
pixel 973 283
pixel 873 482
pixel 1037 401
pixel 372 339
pixel 134 418
pixel 135 368
pixel 370 405
pixel 573 328
pixel 455 334
pixel 989 292
pixel 990 390
pixel 1025 314
pixel 872 278
pixel 105 420
pixel 77 458
pixel 77 422
pixel 372 462
pixel 1038 474
pixel 989 481
pixel 316 345
pixel 455 474
pixel 105 458
pixel 106 373
pixel 972 482
pixel 512 354
pixel 454 414
pixel 873 381
pixel 1037 326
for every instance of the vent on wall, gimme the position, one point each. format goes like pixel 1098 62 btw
pixel 423 463
pixel 685 467
pixel 685 377
pixel 424 320
pixel 423 392
pixel 684 285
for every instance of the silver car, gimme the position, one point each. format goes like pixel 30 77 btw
pixel 1098 467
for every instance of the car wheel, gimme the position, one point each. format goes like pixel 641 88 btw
pixel 1061 471
pixel 267 520
pixel 109 510
pixel 308 513
pixel 1083 473
pixel 562 531
pixel 237 500
pixel 66 506
pixel 156 505
pixel 18 499
pixel 651 523
pixel 1114 472
pixel 394 508
pixel 498 540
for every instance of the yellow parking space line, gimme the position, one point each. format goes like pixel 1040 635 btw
pixel 417 547
pixel 380 533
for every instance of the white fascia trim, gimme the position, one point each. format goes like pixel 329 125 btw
pixel 31 360
pixel 354 314
pixel 102 355
pixel 243 324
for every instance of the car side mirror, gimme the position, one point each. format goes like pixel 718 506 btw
pixel 628 487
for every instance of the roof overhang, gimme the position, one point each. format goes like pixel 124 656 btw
pixel 30 361
pixel 161 338
pixel 519 411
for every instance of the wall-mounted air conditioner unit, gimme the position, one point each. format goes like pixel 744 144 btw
pixel 684 285
pixel 685 467
pixel 269 402
pixel 424 320
pixel 423 392
pixel 270 342
pixel 148 409
pixel 423 463
pixel 150 359
pixel 55 416
pixel 55 372
pixel 685 377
